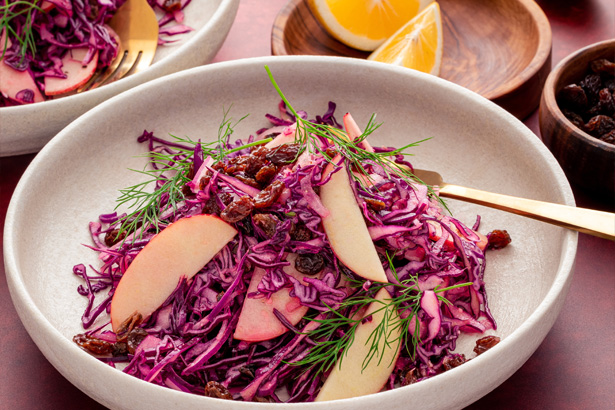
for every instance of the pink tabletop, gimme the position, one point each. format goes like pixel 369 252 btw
pixel 574 368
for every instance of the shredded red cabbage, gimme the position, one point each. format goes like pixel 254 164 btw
pixel 189 340
pixel 58 26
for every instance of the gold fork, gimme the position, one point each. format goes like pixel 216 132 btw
pixel 597 223
pixel 137 27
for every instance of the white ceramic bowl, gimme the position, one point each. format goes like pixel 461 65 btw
pixel 26 128
pixel 76 177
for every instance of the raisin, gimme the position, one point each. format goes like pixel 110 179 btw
pixel 92 344
pixel 283 154
pixel 114 236
pixel 269 195
pixel 254 164
pixel 609 137
pixel 187 191
pixel 575 118
pixel 266 174
pixel 238 209
pixel 572 96
pixel 267 222
pixel 300 232
pixel 190 172
pixel 211 207
pixel 119 349
pixel 309 263
pixel 599 125
pixel 225 197
pixel 605 102
pixel 591 85
pixel 237 164
pixel 217 390
pixel 171 5
pixel 498 239
pixel 204 180
pixel 410 377
pixel 330 152
pixel 247 180
pixel 128 325
pixel 485 343
pixel 603 66
pixel 247 371
pixel 260 151
pixel 375 204
pixel 134 339
pixel 450 362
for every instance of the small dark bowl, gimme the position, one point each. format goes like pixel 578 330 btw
pixel 587 161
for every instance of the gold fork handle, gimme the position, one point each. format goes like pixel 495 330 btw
pixel 597 223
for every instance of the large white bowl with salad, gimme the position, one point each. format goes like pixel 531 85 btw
pixel 191 33
pixel 275 236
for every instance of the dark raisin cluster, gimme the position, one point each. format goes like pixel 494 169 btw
pixel 590 104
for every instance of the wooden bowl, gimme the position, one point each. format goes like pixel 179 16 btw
pixel 500 49
pixel 587 161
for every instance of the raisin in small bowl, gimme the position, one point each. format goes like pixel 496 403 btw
pixel 577 118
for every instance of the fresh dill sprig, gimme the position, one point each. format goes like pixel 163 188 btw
pixel 336 332
pixel 170 173
pixel 310 135
pixel 11 10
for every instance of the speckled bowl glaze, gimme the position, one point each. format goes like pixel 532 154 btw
pixel 474 142
pixel 26 128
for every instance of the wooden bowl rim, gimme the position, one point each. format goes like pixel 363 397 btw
pixel 540 58
pixel 553 108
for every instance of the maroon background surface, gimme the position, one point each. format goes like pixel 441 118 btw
pixel 574 368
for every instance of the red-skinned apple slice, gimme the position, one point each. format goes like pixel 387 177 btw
pixel 257 322
pixel 346 228
pixel 349 379
pixel 13 81
pixel 177 252
pixel 285 137
pixel 76 73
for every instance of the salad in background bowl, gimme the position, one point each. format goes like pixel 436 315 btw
pixel 526 282
pixel 26 128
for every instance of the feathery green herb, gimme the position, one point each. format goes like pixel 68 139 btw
pixel 9 11
pixel 170 174
pixel 336 332
pixel 309 134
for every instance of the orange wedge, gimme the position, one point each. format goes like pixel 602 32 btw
pixel 417 45
pixel 364 24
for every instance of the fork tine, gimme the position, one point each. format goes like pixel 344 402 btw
pixel 136 26
pixel 132 56
pixel 104 75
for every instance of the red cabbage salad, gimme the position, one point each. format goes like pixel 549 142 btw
pixel 50 48
pixel 297 264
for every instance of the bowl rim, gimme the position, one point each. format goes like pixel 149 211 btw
pixel 551 106
pixel 525 330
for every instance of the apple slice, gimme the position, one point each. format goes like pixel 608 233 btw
pixel 12 81
pixel 257 322
pixel 285 137
pixel 177 252
pixel 346 228
pixel 46 6
pixel 76 73
pixel 349 379
pixel 354 132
